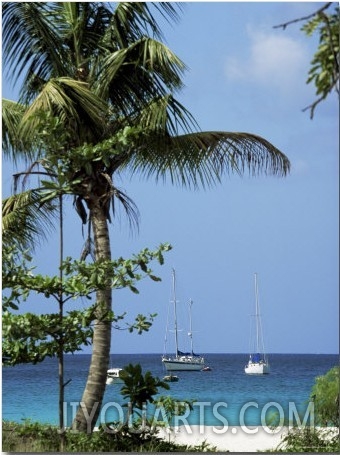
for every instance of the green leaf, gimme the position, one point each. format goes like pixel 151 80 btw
pixel 13 306
pixel 155 278
pixel 133 289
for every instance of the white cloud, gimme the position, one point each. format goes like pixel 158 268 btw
pixel 275 60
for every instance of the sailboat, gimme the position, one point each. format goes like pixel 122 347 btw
pixel 258 361
pixel 182 361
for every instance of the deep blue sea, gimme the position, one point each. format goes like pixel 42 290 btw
pixel 226 392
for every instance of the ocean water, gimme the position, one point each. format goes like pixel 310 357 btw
pixel 224 395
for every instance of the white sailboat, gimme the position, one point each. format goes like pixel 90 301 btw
pixel 182 361
pixel 258 361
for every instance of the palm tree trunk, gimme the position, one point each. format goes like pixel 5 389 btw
pixel 89 409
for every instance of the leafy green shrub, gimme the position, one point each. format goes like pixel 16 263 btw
pixel 310 440
pixel 29 437
pixel 325 395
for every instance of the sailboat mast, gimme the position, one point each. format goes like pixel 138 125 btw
pixel 190 327
pixel 257 315
pixel 175 308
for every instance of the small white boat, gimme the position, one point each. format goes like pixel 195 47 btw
pixel 170 378
pixel 113 376
pixel 182 361
pixel 258 361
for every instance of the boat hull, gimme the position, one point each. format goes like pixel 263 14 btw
pixel 256 368
pixel 183 364
pixel 110 380
pixel 113 376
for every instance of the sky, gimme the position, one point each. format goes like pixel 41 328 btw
pixel 243 75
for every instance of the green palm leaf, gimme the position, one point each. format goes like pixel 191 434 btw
pixel 12 114
pixel 200 159
pixel 73 103
pixel 132 20
pixel 164 115
pixel 133 77
pixel 25 219
pixel 32 45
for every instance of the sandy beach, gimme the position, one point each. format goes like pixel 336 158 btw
pixel 233 439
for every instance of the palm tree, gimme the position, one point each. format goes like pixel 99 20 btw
pixel 97 82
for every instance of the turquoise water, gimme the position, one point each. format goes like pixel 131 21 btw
pixel 224 395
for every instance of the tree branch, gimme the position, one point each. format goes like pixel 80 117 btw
pixel 316 102
pixel 323 8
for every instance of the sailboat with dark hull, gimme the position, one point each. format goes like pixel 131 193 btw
pixel 182 361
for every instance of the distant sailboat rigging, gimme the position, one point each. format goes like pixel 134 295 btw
pixel 182 361
pixel 258 361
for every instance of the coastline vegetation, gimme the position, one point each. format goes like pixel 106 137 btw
pixel 324 436
pixel 36 437
pixel 310 439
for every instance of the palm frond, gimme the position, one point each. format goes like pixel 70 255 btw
pixel 165 115
pixel 82 27
pixel 133 76
pixel 130 208
pixel 201 159
pixel 25 218
pixel 132 20
pixel 79 109
pixel 13 145
pixel 31 43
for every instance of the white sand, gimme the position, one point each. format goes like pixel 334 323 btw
pixel 232 439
